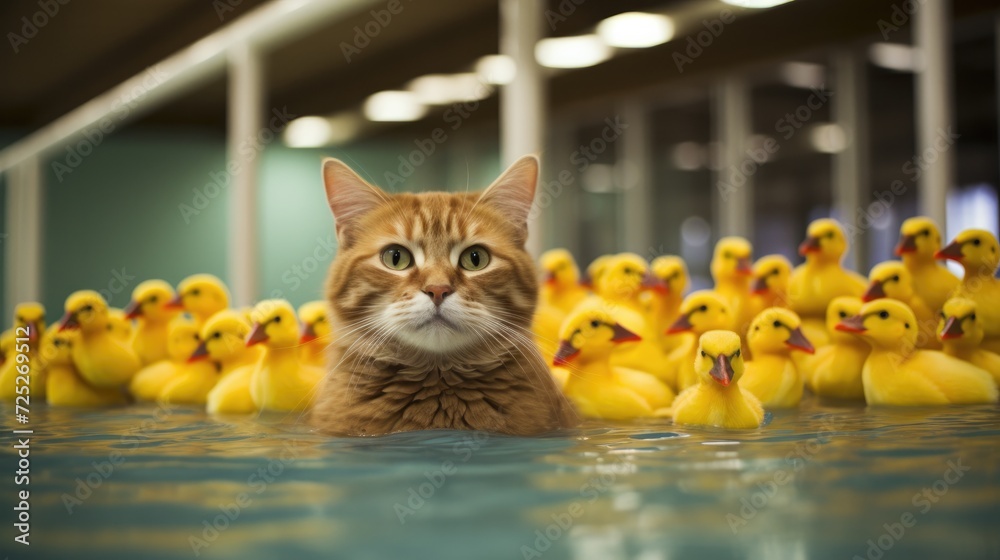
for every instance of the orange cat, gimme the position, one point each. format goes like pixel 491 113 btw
pixel 433 294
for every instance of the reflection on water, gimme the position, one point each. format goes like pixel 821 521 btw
pixel 816 483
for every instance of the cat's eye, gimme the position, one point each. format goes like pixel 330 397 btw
pixel 396 257
pixel 474 258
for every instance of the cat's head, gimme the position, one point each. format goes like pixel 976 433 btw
pixel 438 272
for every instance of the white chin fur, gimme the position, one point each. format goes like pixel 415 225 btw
pixel 419 328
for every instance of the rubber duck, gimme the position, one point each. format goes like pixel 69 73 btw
pixel 897 373
pixel 280 380
pixel 598 388
pixel 119 325
pixel 919 242
pixel 961 334
pixel 666 295
pixel 194 379
pixel 772 375
pixel 315 335
pixel 28 329
pixel 101 357
pixel 834 371
pixel 979 254
pixel 561 285
pixel 223 342
pixel 150 308
pixel 717 399
pixel 892 280
pixel 182 340
pixel 621 281
pixel 594 271
pixel 700 312
pixel 201 296
pixel 64 385
pixel 731 269
pixel 814 284
pixel 769 287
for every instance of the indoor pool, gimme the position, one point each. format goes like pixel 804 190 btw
pixel 820 482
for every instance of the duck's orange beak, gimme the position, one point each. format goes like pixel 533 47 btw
pixel 682 324
pixel 743 266
pixel 308 333
pixel 798 341
pixel 69 321
pixel 176 303
pixel 587 282
pixel 907 244
pixel 651 282
pixel 623 335
pixel 759 285
pixel 565 353
pixel 550 278
pixel 200 353
pixel 33 331
pixel 952 329
pixel 133 309
pixel 257 335
pixel 855 324
pixel 953 251
pixel 810 245
pixel 722 370
pixel 874 291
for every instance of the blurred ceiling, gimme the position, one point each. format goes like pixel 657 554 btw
pixel 88 47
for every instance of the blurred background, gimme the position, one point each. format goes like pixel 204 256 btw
pixel 167 137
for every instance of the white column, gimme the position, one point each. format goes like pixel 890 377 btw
pixel 22 240
pixel 934 105
pixel 245 114
pixel 633 160
pixel 851 189
pixel 733 200
pixel 522 101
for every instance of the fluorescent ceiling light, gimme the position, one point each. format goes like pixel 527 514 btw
pixel 828 138
pixel 805 75
pixel 442 89
pixel 497 69
pixel 394 106
pixel 308 132
pixel 894 56
pixel 757 4
pixel 572 52
pixel 636 30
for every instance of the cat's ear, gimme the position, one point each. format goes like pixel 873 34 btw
pixel 349 196
pixel 514 191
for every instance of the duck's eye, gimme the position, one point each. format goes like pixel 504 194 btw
pixel 776 272
pixel 757 328
pixel 883 314
pixel 396 257
pixel 925 232
pixel 595 324
pixel 943 316
pixel 217 335
pixel 474 258
pixel 777 324
pixel 727 255
pixel 895 278
pixel 704 354
pixel 842 314
pixel 152 299
pixel 829 235
pixel 906 325
pixel 703 308
pixel 277 319
pixel 87 308
pixel 20 319
pixel 976 242
pixel 628 270
pixel 196 292
pixel 736 354
pixel 973 316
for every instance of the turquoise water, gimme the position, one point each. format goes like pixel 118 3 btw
pixel 815 483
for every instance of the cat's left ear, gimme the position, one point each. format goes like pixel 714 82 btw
pixel 349 196
pixel 514 191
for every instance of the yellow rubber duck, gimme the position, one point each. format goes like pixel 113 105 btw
pixel 182 340
pixel 979 254
pixel 119 324
pixel 961 333
pixel 732 270
pixel 64 385
pixel 28 331
pixel 769 287
pixel 919 242
pixel 598 388
pixel 897 373
pixel 280 380
pixel 772 375
pixel 717 399
pixel 223 342
pixel 594 271
pixel 561 285
pixel 193 381
pixel 201 296
pixel 101 357
pixel 316 333
pixel 834 371
pixel 700 312
pixel 150 308
pixel 814 284
pixel 892 280
pixel 666 295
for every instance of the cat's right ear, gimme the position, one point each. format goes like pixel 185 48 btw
pixel 349 196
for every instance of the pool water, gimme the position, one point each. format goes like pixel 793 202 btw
pixel 819 482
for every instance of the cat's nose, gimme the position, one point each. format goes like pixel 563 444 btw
pixel 438 292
